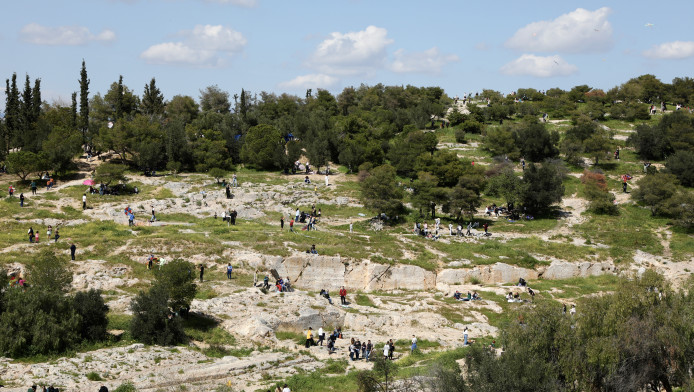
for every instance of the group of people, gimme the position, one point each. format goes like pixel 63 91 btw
pixel 424 230
pixel 34 235
pixel 229 216
pixel 310 219
pixel 470 297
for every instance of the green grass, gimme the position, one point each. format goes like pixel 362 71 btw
pixel 364 300
pixel 634 228
pixel 298 338
pixel 575 287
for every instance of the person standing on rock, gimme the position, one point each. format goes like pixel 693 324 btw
pixel 282 222
pixel 202 272
pixel 229 269
pixel 309 338
pixel 386 350
pixel 33 187
pixel 30 233
pixel 73 249
pixel 321 336
pixel 154 217
pixel 21 199
pixel 56 234
pixel 84 201
pixel 343 295
pixel 369 347
pixel 234 181
pixel 465 336
pixel 414 344
pixel 326 180
pixel 291 225
pixel 392 349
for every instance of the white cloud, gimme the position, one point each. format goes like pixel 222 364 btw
pixel 353 53
pixel 671 50
pixel 205 45
pixel 240 3
pixel 37 34
pixel 310 81
pixel 429 61
pixel 579 31
pixel 539 66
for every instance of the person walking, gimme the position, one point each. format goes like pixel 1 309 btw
pixel 57 235
pixel 202 272
pixel 291 225
pixel 465 336
pixel 282 222
pixel 21 199
pixel 30 233
pixel 229 269
pixel 321 336
pixel 73 249
pixel 343 295
pixel 154 217
pixel 33 187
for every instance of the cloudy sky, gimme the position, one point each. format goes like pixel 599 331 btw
pixel 289 46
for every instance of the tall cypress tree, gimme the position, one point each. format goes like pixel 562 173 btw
pixel 152 99
pixel 12 112
pixel 243 108
pixel 26 105
pixel 73 112
pixel 119 98
pixel 36 96
pixel 84 102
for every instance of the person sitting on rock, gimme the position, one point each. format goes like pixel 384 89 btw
pixel 457 295
pixel 324 293
pixel 307 180
pixel 287 284
pixel 476 296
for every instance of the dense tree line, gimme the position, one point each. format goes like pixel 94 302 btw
pixel 361 128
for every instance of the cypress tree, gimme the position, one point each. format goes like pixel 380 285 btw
pixel 243 104
pixel 119 98
pixel 12 114
pixel 73 111
pixel 84 102
pixel 36 96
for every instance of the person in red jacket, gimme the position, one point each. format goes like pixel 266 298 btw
pixel 343 294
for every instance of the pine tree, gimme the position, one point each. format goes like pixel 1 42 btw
pixel 152 99
pixel 84 102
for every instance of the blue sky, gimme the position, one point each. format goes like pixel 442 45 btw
pixel 289 46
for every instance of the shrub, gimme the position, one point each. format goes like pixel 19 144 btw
pixel 681 164
pixel 460 136
pixel 153 322
pixel 127 387
pixel 94 376
pixel 176 279
pixel 92 310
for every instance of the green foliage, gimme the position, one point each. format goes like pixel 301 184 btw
pixel 380 192
pixel 176 279
pixel 542 187
pixel 92 310
pixel 24 163
pixel 94 376
pixel 460 136
pixel 674 132
pixel 407 146
pixel 153 322
pixel 380 378
pixel 60 148
pixel 506 185
pixel 50 273
pixel 126 387
pixel 654 190
pixel 109 172
pixel 535 142
pixel 259 146
pixel 681 164
pixel 217 173
pixel 500 142
pixel 37 321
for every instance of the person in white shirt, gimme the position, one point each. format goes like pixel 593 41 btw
pixel 465 337
pixel 450 228
pixel 573 310
pixel 386 350
pixel 286 388
pixel 84 201
pixel 326 180
pixel 414 343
